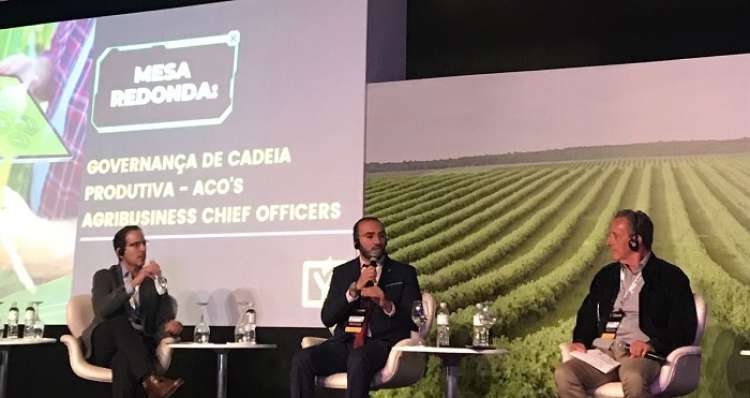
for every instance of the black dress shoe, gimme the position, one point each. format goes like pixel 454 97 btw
pixel 160 387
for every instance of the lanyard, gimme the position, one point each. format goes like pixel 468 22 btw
pixel 633 285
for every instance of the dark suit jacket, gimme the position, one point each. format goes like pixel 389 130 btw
pixel 666 307
pixel 111 300
pixel 399 283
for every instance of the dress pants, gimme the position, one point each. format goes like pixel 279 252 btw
pixel 128 352
pixel 575 377
pixel 337 355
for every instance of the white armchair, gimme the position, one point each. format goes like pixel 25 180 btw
pixel 400 370
pixel 80 313
pixel 678 376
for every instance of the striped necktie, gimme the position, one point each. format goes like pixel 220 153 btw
pixel 134 299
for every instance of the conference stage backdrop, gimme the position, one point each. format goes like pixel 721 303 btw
pixel 500 188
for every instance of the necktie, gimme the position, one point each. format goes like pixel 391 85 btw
pixel 361 336
pixel 134 298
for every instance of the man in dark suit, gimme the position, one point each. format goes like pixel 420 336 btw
pixel 385 289
pixel 638 306
pixel 130 317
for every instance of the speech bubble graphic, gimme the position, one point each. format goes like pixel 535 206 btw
pixel 165 85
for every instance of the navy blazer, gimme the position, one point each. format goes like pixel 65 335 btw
pixel 399 284
pixel 666 306
pixel 110 300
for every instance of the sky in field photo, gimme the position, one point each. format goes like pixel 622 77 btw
pixel 693 99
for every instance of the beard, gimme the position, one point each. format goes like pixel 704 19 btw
pixel 374 254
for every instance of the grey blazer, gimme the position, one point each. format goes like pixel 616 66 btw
pixel 110 300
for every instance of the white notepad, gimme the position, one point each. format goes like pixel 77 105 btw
pixel 599 360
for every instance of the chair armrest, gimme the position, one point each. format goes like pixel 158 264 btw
pixel 681 373
pixel 681 352
pixel 308 342
pixel 565 349
pixel 80 366
pixel 164 354
pixel 401 368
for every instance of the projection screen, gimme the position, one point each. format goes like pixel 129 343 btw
pixel 233 133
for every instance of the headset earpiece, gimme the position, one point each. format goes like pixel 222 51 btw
pixel 355 235
pixel 633 243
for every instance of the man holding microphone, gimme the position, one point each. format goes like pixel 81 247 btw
pixel 638 309
pixel 369 301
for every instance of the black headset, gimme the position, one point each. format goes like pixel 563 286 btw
pixel 633 243
pixel 356 234
pixel 639 218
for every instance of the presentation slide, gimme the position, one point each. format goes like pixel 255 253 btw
pixel 232 133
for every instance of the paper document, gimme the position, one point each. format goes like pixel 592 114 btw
pixel 596 358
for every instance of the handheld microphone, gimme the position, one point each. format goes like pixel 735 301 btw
pixel 606 345
pixel 373 263
pixel 651 355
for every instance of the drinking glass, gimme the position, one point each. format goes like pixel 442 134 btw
pixel 29 314
pixel 160 283
pixel 202 331
pixel 487 319
pixel 249 328
pixel 37 328
pixel 13 326
pixel 239 329
pixel 418 315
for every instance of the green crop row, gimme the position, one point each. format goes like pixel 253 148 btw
pixel 458 268
pixel 456 208
pixel 727 298
pixel 399 197
pixel 538 296
pixel 412 183
pixel 440 247
pixel 437 197
pixel 734 237
pixel 490 284
pixel 379 185
pixel 736 201
pixel 405 183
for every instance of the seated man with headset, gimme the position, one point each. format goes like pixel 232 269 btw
pixel 638 309
pixel 369 301
pixel 131 315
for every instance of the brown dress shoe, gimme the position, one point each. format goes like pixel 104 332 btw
pixel 160 387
